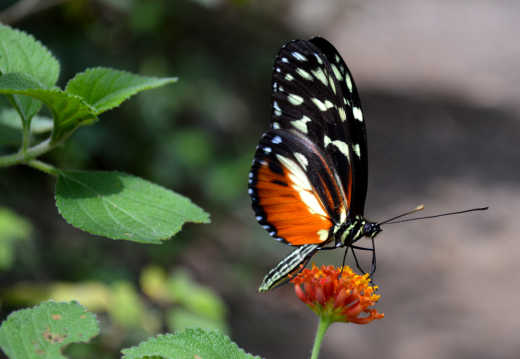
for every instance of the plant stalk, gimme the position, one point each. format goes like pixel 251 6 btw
pixel 320 333
pixel 24 156
pixel 44 167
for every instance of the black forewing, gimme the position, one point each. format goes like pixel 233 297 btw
pixel 311 95
pixel 354 127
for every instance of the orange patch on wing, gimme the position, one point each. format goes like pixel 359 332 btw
pixel 286 211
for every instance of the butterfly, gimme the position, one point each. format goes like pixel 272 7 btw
pixel 308 180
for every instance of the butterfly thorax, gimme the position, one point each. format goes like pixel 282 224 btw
pixel 353 229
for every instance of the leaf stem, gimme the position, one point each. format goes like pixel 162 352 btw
pixel 26 139
pixel 23 157
pixel 44 167
pixel 320 333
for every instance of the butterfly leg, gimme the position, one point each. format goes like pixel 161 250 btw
pixel 373 265
pixel 358 266
pixel 343 263
pixel 373 250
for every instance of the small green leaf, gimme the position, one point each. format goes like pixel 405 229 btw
pixel 121 206
pixel 42 331
pixel 105 88
pixel 69 111
pixel 20 52
pixel 188 344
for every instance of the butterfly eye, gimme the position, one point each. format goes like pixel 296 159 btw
pixel 372 229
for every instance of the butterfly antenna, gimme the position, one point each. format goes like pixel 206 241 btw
pixel 438 215
pixel 416 209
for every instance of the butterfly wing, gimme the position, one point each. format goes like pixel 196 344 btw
pixel 310 170
pixel 314 93
pixel 293 189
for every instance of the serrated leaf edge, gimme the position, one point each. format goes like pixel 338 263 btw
pixel 205 218
pixel 191 332
pixel 35 40
pixel 136 90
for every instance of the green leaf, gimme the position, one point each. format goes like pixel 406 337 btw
pixel 121 206
pixel 69 111
pixel 42 331
pixel 188 344
pixel 105 88
pixel 20 52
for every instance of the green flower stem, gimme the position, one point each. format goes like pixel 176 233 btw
pixel 320 333
pixel 23 156
pixel 44 167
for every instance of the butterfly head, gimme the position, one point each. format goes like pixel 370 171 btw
pixel 371 229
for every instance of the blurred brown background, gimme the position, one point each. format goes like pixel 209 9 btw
pixel 439 86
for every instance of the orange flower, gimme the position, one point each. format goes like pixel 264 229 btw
pixel 339 299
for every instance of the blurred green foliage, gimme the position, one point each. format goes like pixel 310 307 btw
pixel 197 138
pixel 174 301
pixel 13 228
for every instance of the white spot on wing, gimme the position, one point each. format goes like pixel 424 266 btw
pixel 326 141
pixel 342 114
pixel 302 160
pixel 336 72
pixel 332 86
pixel 295 99
pixel 322 106
pixel 289 77
pixel 277 109
pixel 276 125
pixel 277 140
pixel 320 75
pixel 358 115
pixel 298 56
pixel 318 58
pixel 357 150
pixel 343 215
pixel 304 74
pixel 348 80
pixel 267 149
pixel 250 191
pixel 323 234
pixel 296 174
pixel 284 59
pixel 301 124
pixel 342 147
